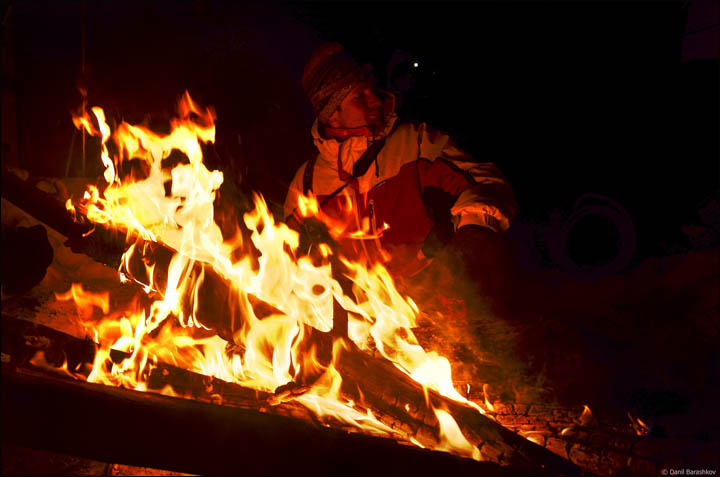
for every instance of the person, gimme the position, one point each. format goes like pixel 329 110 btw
pixel 408 189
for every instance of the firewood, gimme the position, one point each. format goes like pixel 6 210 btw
pixel 40 205
pixel 373 383
pixel 135 428
pixel 387 391
pixel 22 339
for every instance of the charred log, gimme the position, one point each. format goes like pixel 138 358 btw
pixel 378 384
pixel 130 427
pixel 373 383
pixel 22 339
pixel 217 308
pixel 103 245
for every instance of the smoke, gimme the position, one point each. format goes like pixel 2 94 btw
pixel 472 328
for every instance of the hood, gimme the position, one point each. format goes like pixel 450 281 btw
pixel 354 146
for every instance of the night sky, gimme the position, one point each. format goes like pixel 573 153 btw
pixel 565 98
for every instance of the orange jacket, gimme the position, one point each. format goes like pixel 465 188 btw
pixel 415 167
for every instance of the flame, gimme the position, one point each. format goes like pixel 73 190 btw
pixel 102 130
pixel 587 418
pixel 86 301
pixel 533 436
pixel 640 427
pixel 173 205
pixel 488 404
pixel 452 438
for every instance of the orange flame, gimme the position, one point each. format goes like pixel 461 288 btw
pixel 639 426
pixel 587 418
pixel 86 301
pixel 488 404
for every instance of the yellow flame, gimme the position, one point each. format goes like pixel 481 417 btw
pixel 452 439
pixel 488 404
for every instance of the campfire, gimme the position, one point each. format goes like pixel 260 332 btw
pixel 279 300
pixel 251 315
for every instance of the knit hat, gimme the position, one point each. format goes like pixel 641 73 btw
pixel 329 76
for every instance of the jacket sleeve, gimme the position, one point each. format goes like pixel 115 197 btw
pixel 483 195
pixel 295 189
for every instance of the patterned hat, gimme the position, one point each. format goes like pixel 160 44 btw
pixel 329 76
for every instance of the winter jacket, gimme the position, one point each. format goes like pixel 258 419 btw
pixel 419 181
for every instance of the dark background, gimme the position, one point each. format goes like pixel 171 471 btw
pixel 566 98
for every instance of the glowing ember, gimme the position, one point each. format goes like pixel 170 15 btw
pixel 173 205
pixel 586 419
pixel 639 426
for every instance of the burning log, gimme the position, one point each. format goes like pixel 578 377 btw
pixel 189 436
pixel 604 450
pixel 401 406
pixel 103 245
pixel 366 379
pixel 40 205
pixel 27 344
pixel 77 407
pixel 404 402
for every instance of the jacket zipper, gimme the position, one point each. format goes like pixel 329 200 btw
pixel 371 212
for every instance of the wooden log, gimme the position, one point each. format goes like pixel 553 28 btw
pixel 19 460
pixel 216 304
pixel 218 309
pixel 135 428
pixel 387 391
pixel 40 205
pixel 366 380
pixel 22 339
